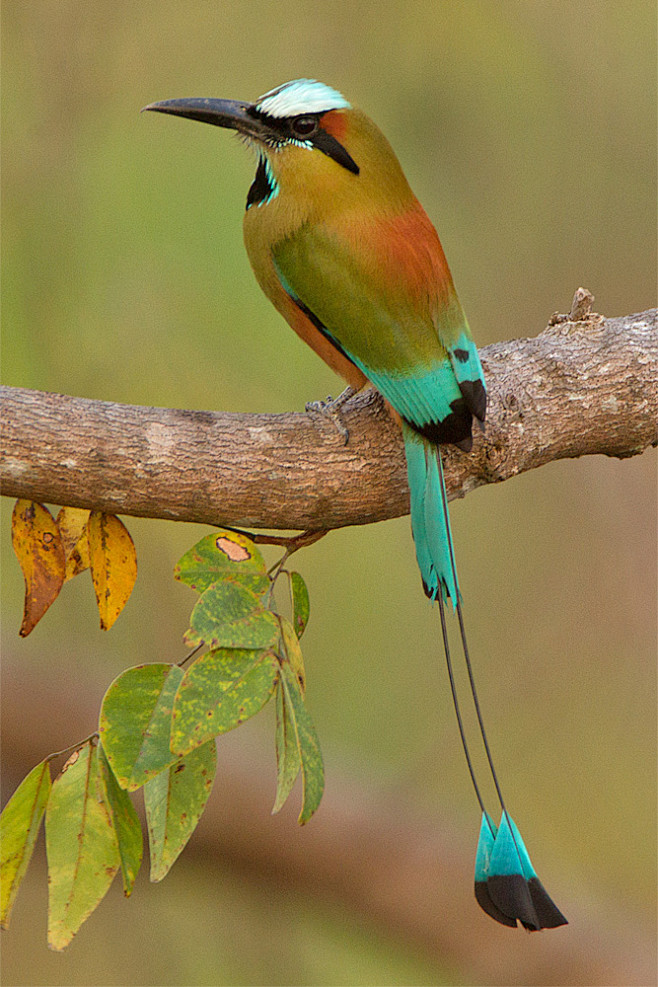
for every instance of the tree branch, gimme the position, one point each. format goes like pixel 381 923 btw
pixel 579 388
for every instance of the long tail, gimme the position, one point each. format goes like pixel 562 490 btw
pixel 506 885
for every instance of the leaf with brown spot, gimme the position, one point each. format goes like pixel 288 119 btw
pixel 113 564
pixel 72 524
pixel 81 846
pixel 221 690
pixel 233 550
pixel 224 554
pixel 38 547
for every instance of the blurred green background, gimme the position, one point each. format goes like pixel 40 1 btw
pixel 527 129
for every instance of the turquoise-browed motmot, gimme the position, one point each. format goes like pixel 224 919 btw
pixel 344 250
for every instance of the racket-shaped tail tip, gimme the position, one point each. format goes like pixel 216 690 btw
pixel 506 885
pixel 488 832
pixel 549 915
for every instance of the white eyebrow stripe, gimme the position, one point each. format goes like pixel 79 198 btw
pixel 301 96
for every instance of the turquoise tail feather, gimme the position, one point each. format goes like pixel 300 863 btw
pixel 506 885
pixel 466 365
pixel 429 521
pixel 486 841
pixel 486 845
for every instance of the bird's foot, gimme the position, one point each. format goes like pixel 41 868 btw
pixel 331 409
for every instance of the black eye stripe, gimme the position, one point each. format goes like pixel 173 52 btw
pixel 328 144
pixel 285 129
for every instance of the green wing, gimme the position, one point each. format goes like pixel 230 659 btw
pixel 378 323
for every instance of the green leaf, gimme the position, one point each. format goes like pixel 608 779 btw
pixel 126 824
pixel 301 605
pixel 135 722
pixel 81 845
pixel 223 555
pixel 219 691
pixel 174 802
pixel 307 743
pixel 19 828
pixel 293 652
pixel 288 761
pixel 229 615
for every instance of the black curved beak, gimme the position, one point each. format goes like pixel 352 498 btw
pixel 229 113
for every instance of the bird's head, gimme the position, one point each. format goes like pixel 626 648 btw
pixel 309 140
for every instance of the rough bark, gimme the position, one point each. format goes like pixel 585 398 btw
pixel 579 388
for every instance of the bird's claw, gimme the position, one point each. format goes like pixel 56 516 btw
pixel 331 409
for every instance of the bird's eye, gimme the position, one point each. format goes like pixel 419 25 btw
pixel 304 126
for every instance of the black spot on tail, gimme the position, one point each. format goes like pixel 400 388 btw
pixel 548 913
pixel 487 905
pixel 508 898
pixel 475 397
pixel 510 893
pixel 455 427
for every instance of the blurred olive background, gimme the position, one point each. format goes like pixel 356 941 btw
pixel 527 130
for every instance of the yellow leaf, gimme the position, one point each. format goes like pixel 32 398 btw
pixel 38 547
pixel 72 524
pixel 113 565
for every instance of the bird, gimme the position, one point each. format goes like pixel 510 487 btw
pixel 345 252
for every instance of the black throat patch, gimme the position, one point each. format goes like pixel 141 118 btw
pixel 264 187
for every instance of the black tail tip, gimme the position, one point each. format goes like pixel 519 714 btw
pixel 510 898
